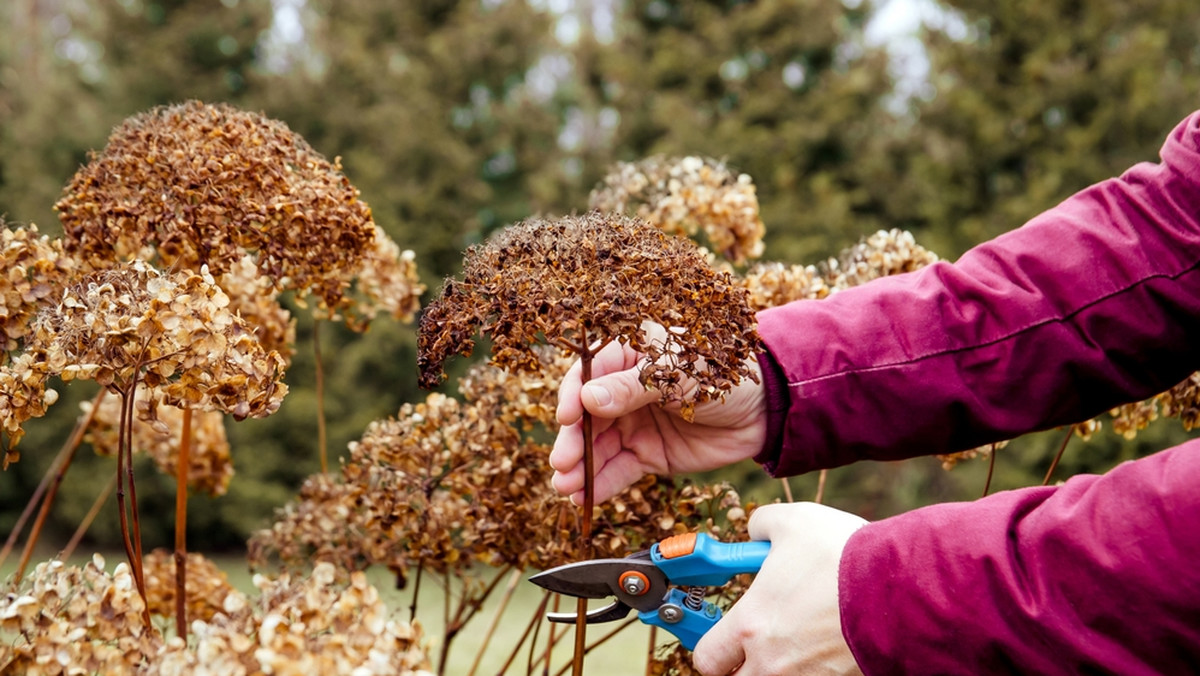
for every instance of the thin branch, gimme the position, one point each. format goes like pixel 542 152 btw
pixel 320 387
pixel 534 624
pixel 987 485
pixel 787 489
pixel 621 627
pixel 49 488
pixel 821 486
pixel 1058 456
pixel 654 639
pixel 513 579
pixel 88 519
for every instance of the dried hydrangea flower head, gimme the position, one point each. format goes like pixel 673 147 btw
pixel 200 184
pixel 35 268
pixel 686 195
pixel 208 586
pixel 581 282
pixel 135 325
pixel 157 431
pixel 887 252
pixel 67 619
pixel 774 284
pixel 82 617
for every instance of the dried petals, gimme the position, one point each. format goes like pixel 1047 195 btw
pixel 686 195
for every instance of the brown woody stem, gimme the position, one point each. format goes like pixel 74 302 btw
pixel 589 502
pixel 181 476
pixel 621 627
pixel 320 387
pixel 1058 456
pixel 987 485
pixel 821 486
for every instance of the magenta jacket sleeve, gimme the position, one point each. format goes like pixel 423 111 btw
pixel 1097 576
pixel 1093 303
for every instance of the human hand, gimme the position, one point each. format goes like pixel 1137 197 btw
pixel 788 621
pixel 634 435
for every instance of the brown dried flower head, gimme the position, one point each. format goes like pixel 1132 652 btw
pixel 200 184
pixel 582 282
pixel 887 252
pixel 686 195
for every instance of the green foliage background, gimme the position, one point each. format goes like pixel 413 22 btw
pixel 456 117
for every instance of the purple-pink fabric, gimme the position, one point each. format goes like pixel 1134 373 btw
pixel 1095 302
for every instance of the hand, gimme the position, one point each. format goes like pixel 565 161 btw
pixel 635 436
pixel 788 621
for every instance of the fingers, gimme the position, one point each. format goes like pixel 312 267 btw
pixel 717 655
pixel 615 467
pixel 614 371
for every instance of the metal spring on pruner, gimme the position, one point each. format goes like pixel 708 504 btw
pixel 695 597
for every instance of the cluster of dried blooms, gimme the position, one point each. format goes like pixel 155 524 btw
pixel 199 184
pixel 448 484
pixel 256 299
pixel 579 282
pixel 158 433
pixel 774 284
pixel 207 586
pixel 174 333
pixel 1181 401
pixel 70 620
pixel 686 195
pixel 887 252
pixel 35 267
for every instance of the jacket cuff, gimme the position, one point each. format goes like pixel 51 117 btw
pixel 778 401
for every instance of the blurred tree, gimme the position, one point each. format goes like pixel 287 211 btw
pixel 784 90
pixel 1029 101
pixel 428 105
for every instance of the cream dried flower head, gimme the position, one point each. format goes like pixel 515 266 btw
pixel 133 325
pixel 34 268
pixel 684 195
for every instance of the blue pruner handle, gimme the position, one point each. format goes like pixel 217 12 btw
pixel 677 617
pixel 697 560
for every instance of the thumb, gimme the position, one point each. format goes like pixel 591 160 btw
pixel 616 394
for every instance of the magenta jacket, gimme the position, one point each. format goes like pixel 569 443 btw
pixel 1093 303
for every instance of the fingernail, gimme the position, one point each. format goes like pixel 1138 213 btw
pixel 601 394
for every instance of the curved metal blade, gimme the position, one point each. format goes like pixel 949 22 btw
pixel 601 578
pixel 612 612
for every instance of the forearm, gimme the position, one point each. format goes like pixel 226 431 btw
pixel 1094 303
pixel 1095 576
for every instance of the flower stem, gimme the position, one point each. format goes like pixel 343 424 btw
pixel 181 474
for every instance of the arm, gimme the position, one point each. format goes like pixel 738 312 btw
pixel 1091 304
pixel 1097 575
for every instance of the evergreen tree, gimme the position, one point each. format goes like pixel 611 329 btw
pixel 1032 100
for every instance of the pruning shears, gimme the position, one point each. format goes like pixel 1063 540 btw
pixel 665 584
